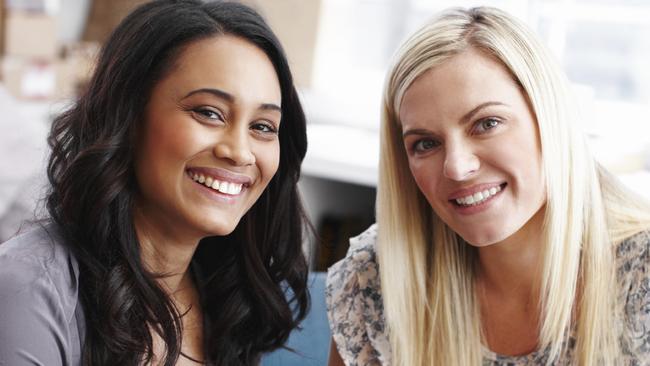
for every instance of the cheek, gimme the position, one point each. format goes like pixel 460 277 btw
pixel 183 142
pixel 268 161
pixel 535 178
pixel 425 173
pixel 162 154
pixel 526 158
pixel 166 143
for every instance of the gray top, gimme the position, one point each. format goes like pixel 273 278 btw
pixel 356 311
pixel 41 320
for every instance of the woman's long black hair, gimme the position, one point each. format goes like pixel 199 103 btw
pixel 253 282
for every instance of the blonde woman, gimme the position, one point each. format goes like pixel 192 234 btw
pixel 499 240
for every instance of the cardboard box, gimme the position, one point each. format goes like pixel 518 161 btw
pixel 2 28
pixel 28 5
pixel 34 80
pixel 76 68
pixel 105 15
pixel 56 79
pixel 31 35
pixel 296 23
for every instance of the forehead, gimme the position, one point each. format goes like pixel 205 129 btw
pixel 459 84
pixel 228 63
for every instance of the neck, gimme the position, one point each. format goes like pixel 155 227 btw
pixel 511 267
pixel 166 253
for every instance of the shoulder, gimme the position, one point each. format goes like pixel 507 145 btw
pixel 354 303
pixel 633 268
pixel 633 252
pixel 38 296
pixel 37 255
pixel 360 265
pixel 633 264
pixel 633 271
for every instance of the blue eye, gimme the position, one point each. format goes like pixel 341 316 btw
pixel 425 145
pixel 484 125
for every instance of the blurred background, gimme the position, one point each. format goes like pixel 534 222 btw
pixel 339 51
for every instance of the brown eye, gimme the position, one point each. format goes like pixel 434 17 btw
pixel 208 114
pixel 264 128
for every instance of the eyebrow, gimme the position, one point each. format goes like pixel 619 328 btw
pixel 230 98
pixel 466 118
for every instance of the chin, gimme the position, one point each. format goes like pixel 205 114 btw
pixel 223 230
pixel 215 228
pixel 482 239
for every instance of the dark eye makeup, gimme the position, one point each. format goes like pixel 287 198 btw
pixel 264 127
pixel 208 114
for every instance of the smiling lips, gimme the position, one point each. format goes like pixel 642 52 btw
pixel 223 186
pixel 477 197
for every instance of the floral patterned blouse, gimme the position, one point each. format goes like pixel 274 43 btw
pixel 356 314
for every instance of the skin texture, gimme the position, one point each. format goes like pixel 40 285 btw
pixel 497 144
pixel 218 108
pixel 467 125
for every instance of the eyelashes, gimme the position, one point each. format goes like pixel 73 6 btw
pixel 212 116
pixel 208 114
pixel 485 125
pixel 265 127
pixel 424 145
pixel 481 127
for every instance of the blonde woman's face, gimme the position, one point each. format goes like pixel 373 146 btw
pixel 473 148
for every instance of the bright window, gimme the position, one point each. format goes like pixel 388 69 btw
pixel 603 45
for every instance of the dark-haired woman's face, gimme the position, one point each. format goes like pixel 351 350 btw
pixel 209 145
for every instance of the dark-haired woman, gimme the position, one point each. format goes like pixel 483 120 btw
pixel 175 226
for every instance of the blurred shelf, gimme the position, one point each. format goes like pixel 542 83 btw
pixel 343 153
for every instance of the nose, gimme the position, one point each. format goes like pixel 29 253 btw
pixel 460 162
pixel 234 146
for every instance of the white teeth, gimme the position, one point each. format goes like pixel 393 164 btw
pixel 478 197
pixel 223 187
pixel 231 188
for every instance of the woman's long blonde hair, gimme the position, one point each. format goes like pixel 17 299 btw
pixel 427 271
